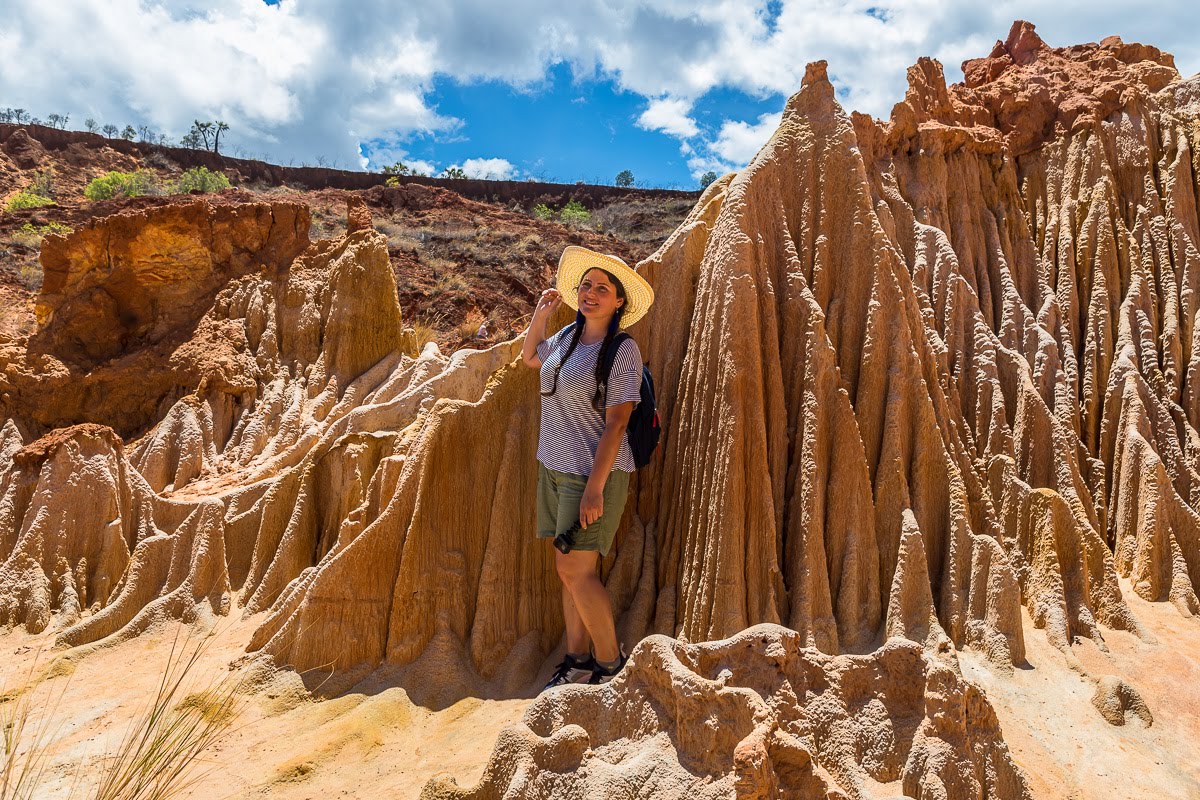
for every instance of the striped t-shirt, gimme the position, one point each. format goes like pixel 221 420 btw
pixel 571 427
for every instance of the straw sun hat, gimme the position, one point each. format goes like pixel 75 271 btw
pixel 577 260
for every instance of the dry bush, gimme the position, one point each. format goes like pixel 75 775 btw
pixel 408 283
pixel 469 327
pixel 160 160
pixel 437 264
pixel 27 237
pixel 328 227
pixel 449 282
pixel 31 275
pixel 481 252
pixel 644 221
pixel 457 234
pixel 399 236
pixel 519 249
pixel 501 327
pixel 30 235
pixel 403 238
pixel 419 233
pixel 505 237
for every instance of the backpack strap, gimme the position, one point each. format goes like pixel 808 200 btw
pixel 609 358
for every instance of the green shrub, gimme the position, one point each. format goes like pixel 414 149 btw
pixel 625 178
pixel 200 179
pixel 30 235
pixel 392 181
pixel 543 211
pixel 573 213
pixel 121 184
pixel 43 183
pixel 399 168
pixel 27 198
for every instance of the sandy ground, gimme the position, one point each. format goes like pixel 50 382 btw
pixel 370 741
pixel 1058 737
pixel 377 739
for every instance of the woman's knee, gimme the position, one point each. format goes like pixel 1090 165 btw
pixel 574 568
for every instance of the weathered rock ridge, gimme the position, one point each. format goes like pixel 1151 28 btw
pixel 915 376
pixel 756 716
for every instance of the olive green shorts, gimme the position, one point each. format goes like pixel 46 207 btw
pixel 559 494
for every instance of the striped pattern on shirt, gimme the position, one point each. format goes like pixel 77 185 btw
pixel 571 427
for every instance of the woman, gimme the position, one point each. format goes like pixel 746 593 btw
pixel 583 452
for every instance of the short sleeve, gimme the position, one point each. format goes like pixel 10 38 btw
pixel 546 346
pixel 625 380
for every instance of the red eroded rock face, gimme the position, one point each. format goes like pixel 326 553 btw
pixel 121 305
pixel 23 150
pixel 1026 93
pixel 137 278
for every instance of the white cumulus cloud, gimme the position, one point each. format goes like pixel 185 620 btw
pixel 494 169
pixel 733 147
pixel 669 115
pixel 308 80
pixel 737 141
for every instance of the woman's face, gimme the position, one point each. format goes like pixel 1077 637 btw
pixel 598 296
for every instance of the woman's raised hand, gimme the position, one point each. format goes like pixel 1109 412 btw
pixel 548 303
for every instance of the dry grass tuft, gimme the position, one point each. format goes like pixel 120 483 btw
pixel 437 264
pixel 159 757
pixel 401 237
pixel 31 275
pixel 457 234
pixel 530 242
pixel 425 330
pixel 27 738
pixel 450 282
pixel 482 252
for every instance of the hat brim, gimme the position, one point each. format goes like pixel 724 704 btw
pixel 576 260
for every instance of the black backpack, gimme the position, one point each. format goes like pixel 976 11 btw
pixel 644 429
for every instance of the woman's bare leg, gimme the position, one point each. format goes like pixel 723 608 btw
pixel 590 599
pixel 579 641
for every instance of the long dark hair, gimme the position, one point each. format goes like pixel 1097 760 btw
pixel 614 325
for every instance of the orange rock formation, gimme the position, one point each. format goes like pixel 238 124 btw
pixel 915 376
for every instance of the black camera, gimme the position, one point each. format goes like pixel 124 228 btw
pixel 566 540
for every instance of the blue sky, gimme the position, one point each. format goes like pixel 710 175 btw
pixel 527 88
pixel 567 129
